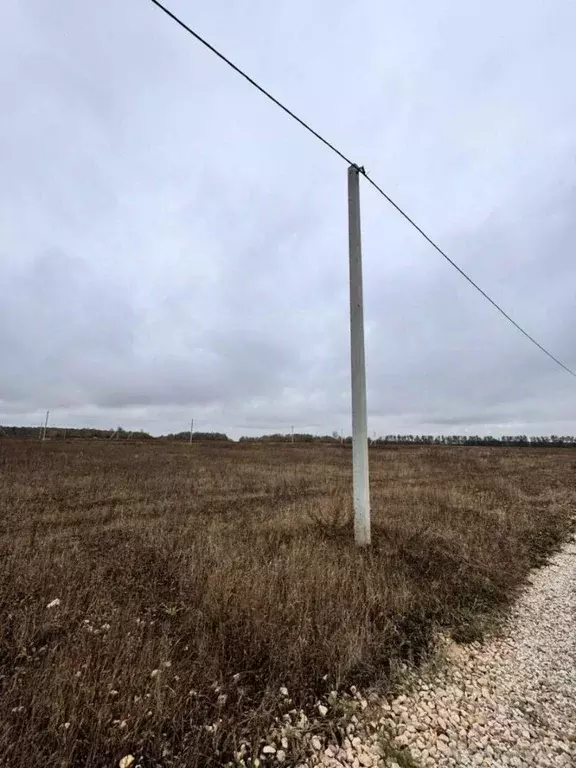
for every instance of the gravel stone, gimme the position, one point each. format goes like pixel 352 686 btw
pixel 316 744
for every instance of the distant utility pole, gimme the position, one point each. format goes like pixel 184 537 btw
pixel 292 428
pixel 361 489
pixel 45 426
pixel 191 430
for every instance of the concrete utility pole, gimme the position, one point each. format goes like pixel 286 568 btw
pixel 191 430
pixel 361 489
pixel 292 428
pixel 45 426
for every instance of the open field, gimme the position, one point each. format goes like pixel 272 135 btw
pixel 195 581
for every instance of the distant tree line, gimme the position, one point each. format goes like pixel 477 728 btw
pixel 554 441
pixel 185 436
pixel 505 441
pixel 300 437
pixel 86 433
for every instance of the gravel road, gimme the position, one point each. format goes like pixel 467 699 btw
pixel 509 702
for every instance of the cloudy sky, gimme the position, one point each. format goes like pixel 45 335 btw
pixel 172 245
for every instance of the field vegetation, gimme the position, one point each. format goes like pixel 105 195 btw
pixel 169 601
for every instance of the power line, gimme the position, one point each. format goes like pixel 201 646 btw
pixel 361 170
pixel 243 74
pixel 466 277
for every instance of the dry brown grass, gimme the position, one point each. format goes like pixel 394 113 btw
pixel 231 570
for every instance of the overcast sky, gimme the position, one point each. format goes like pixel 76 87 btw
pixel 173 245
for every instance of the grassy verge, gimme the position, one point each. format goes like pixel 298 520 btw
pixel 196 584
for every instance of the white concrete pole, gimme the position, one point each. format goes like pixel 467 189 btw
pixel 361 490
pixel 45 425
pixel 191 429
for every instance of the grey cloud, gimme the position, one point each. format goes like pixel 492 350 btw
pixel 172 244
pixel 60 326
